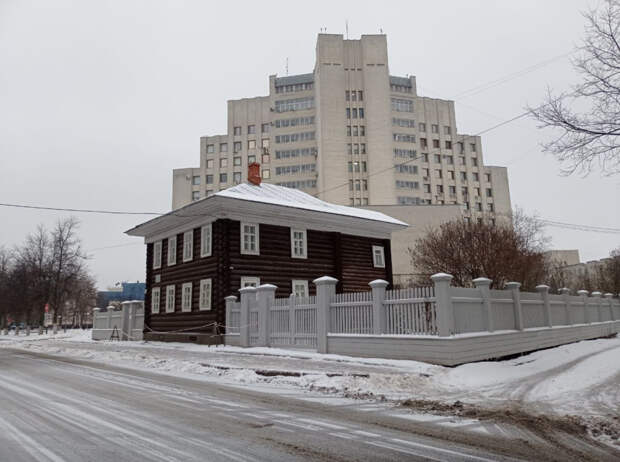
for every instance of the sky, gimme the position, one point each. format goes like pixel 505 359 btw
pixel 100 100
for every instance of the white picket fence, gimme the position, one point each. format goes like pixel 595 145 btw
pixel 127 323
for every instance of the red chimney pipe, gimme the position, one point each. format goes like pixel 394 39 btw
pixel 254 173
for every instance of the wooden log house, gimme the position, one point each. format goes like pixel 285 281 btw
pixel 252 234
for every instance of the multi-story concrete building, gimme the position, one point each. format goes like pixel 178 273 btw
pixel 350 133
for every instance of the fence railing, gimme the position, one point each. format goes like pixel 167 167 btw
pixel 436 311
pixel 126 323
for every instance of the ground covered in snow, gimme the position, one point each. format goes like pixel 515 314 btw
pixel 576 384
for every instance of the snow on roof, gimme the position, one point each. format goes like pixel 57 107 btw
pixel 289 197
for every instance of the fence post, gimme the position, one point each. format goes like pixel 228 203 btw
pixel 565 292
pixel 325 290
pixel 247 293
pixel 584 297
pixel 291 317
pixel 230 301
pixel 516 299
pixel 610 296
pixel 599 305
pixel 265 294
pixel 124 320
pixel 543 290
pixel 379 316
pixel 484 286
pixel 443 301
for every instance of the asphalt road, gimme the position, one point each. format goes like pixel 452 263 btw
pixel 69 410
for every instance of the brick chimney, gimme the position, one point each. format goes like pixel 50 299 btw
pixel 254 173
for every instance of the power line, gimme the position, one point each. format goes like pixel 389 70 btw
pixel 61 209
pixel 576 227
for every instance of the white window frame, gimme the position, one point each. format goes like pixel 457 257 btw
pixel 157 254
pixel 172 250
pixel 188 250
pixel 170 298
pixel 300 282
pixel 205 294
pixel 155 300
pixel 381 249
pixel 242 233
pixel 250 281
pixel 186 297
pixel 206 250
pixel 304 253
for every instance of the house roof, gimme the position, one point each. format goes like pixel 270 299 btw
pixel 289 197
pixel 278 205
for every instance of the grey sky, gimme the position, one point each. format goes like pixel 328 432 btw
pixel 99 101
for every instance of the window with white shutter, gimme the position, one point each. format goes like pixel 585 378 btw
pixel 186 297
pixel 249 239
pixel 205 294
pixel 188 245
pixel 299 243
pixel 172 250
pixel 157 255
pixel 205 240
pixel 155 299
pixel 300 288
pixel 169 299
pixel 378 256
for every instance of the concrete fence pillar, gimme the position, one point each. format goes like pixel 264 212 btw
pixel 584 298
pixel 543 290
pixel 379 315
pixel 325 290
pixel 610 304
pixel 248 298
pixel 565 292
pixel 55 329
pixel 265 294
pixel 484 286
pixel 598 317
pixel 514 287
pixel 443 304
pixel 292 326
pixel 27 330
pixel 125 321
pixel 40 332
pixel 230 301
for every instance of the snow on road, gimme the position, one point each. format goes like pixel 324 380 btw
pixel 577 379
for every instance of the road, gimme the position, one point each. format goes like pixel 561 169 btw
pixel 57 409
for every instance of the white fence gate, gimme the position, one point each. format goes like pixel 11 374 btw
pixel 128 322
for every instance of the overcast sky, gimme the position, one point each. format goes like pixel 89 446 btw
pixel 99 101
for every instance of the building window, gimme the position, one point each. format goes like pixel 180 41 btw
pixel 434 128
pixel 300 288
pixel 210 148
pixel 427 188
pixel 237 177
pixel 264 143
pixel 223 147
pixel 223 162
pixel 223 178
pixel 237 131
pixel 186 297
pixel 209 179
pixel 462 161
pixel 205 240
pixel 266 174
pixel 476 176
pixel 448 144
pixel 250 239
pixel 348 130
pixel 439 189
pixel 479 206
pixel 348 111
pixel 463 176
pixel 487 177
pixel 195 180
pixel 489 192
pixel 170 299
pixel 447 130
pixel 205 294
pixel 299 246
pixel 361 112
pixel 188 245
pixel 422 126
pixel 155 299
pixel 195 195
pixel 437 158
pixel 237 161
pixel 210 163
pixel 435 143
pixel 362 130
pixel 474 161
pixel 360 95
pixel 157 255
pixel 209 192
pixel 490 207
pixel 237 146
pixel 265 158
pixel 251 144
pixel 250 281
pixel 402 105
pixel 378 256
pixel 251 129
pixel 472 146
pixel 438 173
pixel 172 250
pixel 264 128
pixel 251 159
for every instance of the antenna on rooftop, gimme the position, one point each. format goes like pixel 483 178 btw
pixel 346 25
pixel 381 30
pixel 287 66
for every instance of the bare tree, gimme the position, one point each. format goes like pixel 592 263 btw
pixel 587 119
pixel 5 274
pixel 511 250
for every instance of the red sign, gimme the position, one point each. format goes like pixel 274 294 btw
pixel 47 307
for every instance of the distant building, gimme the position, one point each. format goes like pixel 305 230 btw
pixel 127 291
pixel 563 258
